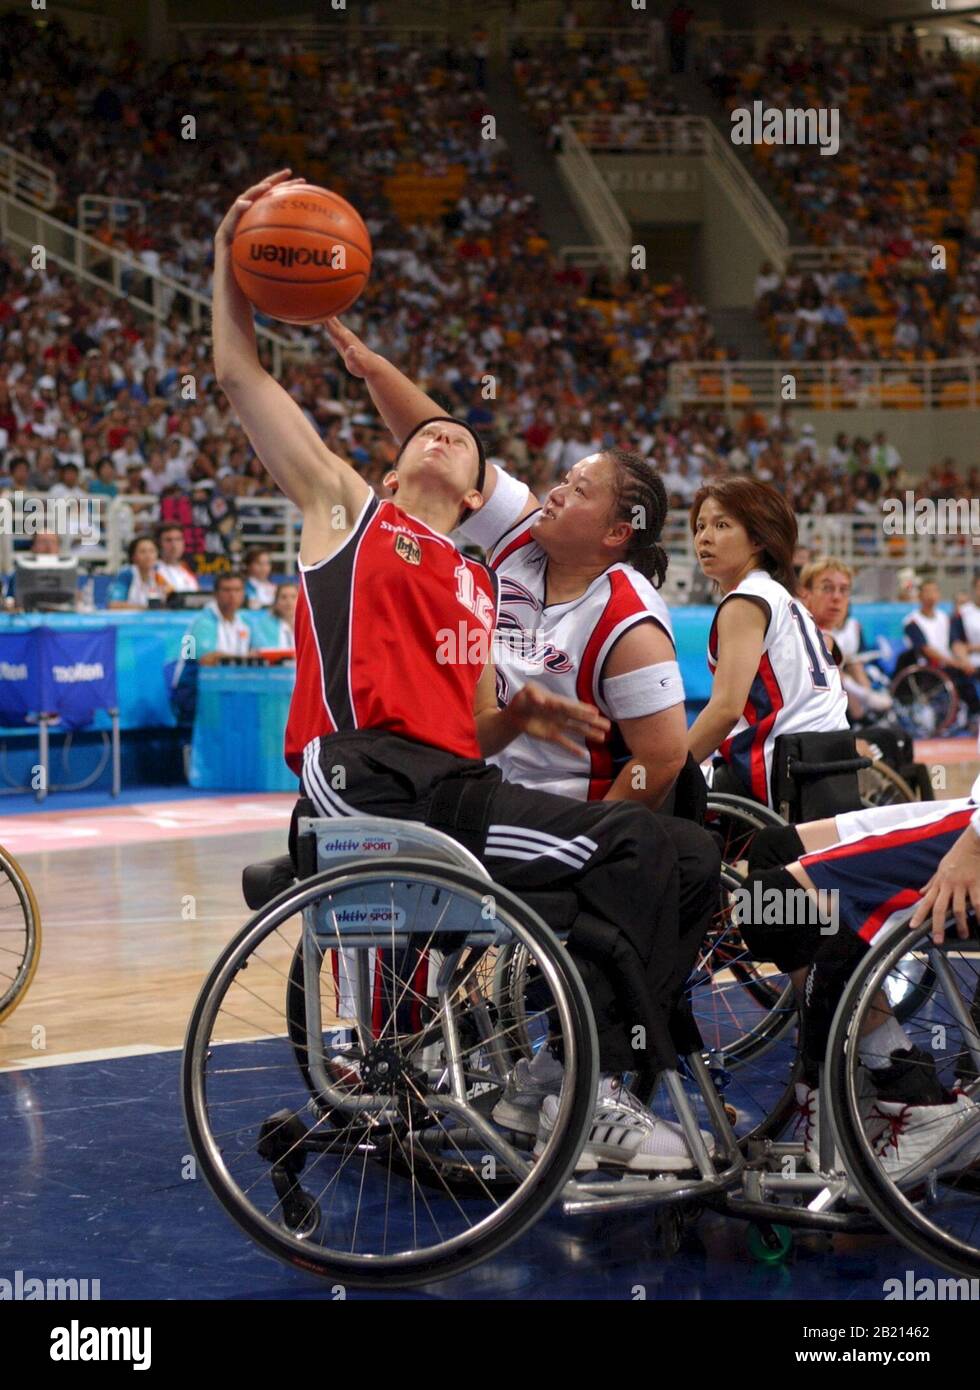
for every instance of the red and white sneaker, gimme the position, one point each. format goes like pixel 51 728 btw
pixel 808 1117
pixel 911 1135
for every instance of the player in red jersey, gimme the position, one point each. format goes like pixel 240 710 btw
pixel 383 723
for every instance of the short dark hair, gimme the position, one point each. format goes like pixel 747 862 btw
pixel 253 553
pixel 137 540
pixel 767 517
pixel 166 526
pixel 226 577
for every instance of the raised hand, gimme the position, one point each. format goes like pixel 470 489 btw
pixel 281 179
pixel 356 357
pixel 554 719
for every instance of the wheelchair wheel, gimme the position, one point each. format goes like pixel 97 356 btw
pixel 881 785
pixel 20 934
pixel 735 820
pixel 925 700
pixel 747 1015
pixel 364 1150
pixel 934 1210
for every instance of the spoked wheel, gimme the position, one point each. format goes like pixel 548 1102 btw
pixel 20 934
pixel 365 1151
pixel 881 785
pixel 935 1207
pixel 734 821
pixel 747 1015
pixel 925 700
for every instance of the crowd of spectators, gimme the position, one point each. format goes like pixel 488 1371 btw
pixel 903 181
pixel 549 362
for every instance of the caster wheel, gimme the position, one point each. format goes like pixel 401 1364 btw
pixel 668 1229
pixel 301 1214
pixel 770 1244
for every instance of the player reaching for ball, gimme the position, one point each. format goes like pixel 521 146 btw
pixel 383 720
pixel 580 616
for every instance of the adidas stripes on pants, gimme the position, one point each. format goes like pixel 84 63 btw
pixel 620 859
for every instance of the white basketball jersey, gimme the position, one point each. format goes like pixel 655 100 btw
pixel 848 637
pixel 965 627
pixel 797 688
pixel 562 646
pixel 933 631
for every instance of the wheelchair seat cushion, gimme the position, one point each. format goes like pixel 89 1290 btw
pixel 266 880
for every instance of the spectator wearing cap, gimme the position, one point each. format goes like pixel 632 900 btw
pixel 807 447
pixel 260 592
pixel 138 585
pixel 172 567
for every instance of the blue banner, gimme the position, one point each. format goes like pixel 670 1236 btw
pixel 20 677
pixel 54 671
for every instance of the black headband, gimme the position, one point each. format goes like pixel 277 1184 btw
pixel 451 419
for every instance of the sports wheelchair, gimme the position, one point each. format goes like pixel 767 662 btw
pixel 20 934
pixel 815 776
pixel 347 1049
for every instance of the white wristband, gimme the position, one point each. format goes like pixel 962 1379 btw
pixel 975 822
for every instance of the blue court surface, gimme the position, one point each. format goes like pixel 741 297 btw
pixel 94 1189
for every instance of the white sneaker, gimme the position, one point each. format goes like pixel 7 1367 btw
pixel 808 1117
pixel 519 1106
pixel 912 1132
pixel 626 1134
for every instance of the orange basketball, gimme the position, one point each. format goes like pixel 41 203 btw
pixel 300 254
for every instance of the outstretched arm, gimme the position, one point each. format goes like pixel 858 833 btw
pixel 400 403
pixel 327 490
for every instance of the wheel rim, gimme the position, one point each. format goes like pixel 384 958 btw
pixel 362 1216
pixel 20 934
pixel 746 1013
pixel 939 1215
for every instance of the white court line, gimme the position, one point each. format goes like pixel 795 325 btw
pixel 67 1059
pixel 108 1054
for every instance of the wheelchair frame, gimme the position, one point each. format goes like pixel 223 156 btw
pixel 755 1184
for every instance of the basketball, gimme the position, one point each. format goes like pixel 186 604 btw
pixel 301 254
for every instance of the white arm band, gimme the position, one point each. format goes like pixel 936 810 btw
pixel 497 516
pixel 647 690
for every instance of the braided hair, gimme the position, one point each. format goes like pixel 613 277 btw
pixel 641 499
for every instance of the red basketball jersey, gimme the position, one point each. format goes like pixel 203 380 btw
pixel 392 632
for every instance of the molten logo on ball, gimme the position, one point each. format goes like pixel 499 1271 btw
pixel 303 258
pixel 333 256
